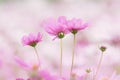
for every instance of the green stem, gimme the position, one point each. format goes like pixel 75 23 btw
pixel 73 54
pixel 98 67
pixel 60 57
pixel 37 57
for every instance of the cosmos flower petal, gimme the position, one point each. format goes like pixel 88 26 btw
pixel 31 39
pixel 53 27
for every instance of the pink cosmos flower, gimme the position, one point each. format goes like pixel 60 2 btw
pixel 57 28
pixel 40 74
pixel 75 25
pixel 31 39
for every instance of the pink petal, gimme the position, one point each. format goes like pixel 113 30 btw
pixel 39 37
pixel 25 40
pixel 31 37
pixel 62 19
pixel 22 63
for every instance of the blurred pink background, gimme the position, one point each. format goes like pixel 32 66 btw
pixel 21 17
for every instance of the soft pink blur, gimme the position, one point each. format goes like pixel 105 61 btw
pixel 21 17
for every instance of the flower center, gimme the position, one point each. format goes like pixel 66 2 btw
pixel 88 70
pixel 33 44
pixel 35 67
pixel 61 35
pixel 73 31
pixel 103 48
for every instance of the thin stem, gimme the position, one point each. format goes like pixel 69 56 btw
pixel 37 57
pixel 73 54
pixel 98 67
pixel 60 57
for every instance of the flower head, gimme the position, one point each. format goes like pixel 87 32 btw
pixel 31 39
pixel 103 48
pixel 57 28
pixel 75 25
